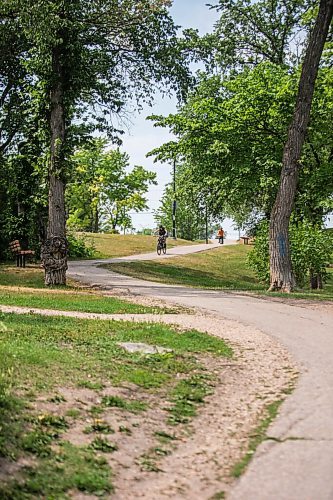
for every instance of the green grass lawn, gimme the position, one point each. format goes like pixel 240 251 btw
pixel 31 276
pixel 22 287
pixel 223 268
pixel 75 301
pixel 41 424
pixel 118 245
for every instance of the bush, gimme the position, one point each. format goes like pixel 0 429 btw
pixel 258 259
pixel 79 246
pixel 311 251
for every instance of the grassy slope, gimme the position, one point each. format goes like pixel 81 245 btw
pixel 117 245
pixel 223 268
pixel 220 268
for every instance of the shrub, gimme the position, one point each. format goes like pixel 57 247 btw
pixel 311 251
pixel 79 246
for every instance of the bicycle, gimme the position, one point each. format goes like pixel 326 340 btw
pixel 161 245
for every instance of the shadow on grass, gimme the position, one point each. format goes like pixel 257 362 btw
pixel 184 276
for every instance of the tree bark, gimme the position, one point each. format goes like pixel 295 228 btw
pixel 281 275
pixel 96 221
pixel 54 251
pixel 316 280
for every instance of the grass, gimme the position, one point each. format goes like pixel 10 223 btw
pixel 86 349
pixel 118 245
pixel 117 402
pixel 68 353
pixel 74 301
pixel 29 277
pixel 186 396
pixel 70 468
pixel 256 438
pixel 15 291
pixel 223 268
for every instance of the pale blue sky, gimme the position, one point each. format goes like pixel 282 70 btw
pixel 142 136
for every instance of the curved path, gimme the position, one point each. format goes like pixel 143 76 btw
pixel 297 463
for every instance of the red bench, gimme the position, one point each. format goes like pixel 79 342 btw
pixel 15 248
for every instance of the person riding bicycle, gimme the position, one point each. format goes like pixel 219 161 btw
pixel 162 232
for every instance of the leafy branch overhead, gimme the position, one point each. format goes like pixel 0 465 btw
pixel 89 64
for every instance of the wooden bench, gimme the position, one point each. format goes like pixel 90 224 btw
pixel 15 248
pixel 247 240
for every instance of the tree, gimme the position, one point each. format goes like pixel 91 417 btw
pixel 21 140
pixel 103 191
pixel 13 82
pixel 231 133
pixel 281 275
pixel 192 212
pixel 248 33
pixel 125 195
pixel 91 59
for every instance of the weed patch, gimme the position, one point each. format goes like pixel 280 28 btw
pixel 102 444
pixel 256 438
pixel 117 402
pixel 186 397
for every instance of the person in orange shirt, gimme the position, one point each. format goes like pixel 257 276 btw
pixel 220 235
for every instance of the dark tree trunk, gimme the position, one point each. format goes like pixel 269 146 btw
pixel 281 275
pixel 316 281
pixel 96 221
pixel 54 251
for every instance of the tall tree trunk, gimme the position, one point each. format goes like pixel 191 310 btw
pixel 281 275
pixel 54 251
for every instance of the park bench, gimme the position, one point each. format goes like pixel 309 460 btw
pixel 16 249
pixel 247 240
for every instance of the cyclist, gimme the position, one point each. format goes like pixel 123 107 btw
pixel 162 234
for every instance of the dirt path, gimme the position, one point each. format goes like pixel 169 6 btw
pixel 298 463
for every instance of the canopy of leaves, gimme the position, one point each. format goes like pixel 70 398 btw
pixel 112 52
pixel 103 191
pixel 114 55
pixel 311 251
pixel 250 32
pixel 232 132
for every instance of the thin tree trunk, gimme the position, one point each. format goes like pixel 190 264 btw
pixel 281 275
pixel 96 221
pixel 54 251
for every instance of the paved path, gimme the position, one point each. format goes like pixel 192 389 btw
pixel 171 252
pixel 298 463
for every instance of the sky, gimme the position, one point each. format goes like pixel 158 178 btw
pixel 143 136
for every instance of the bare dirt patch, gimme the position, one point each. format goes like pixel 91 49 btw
pixel 153 459
pixel 201 461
